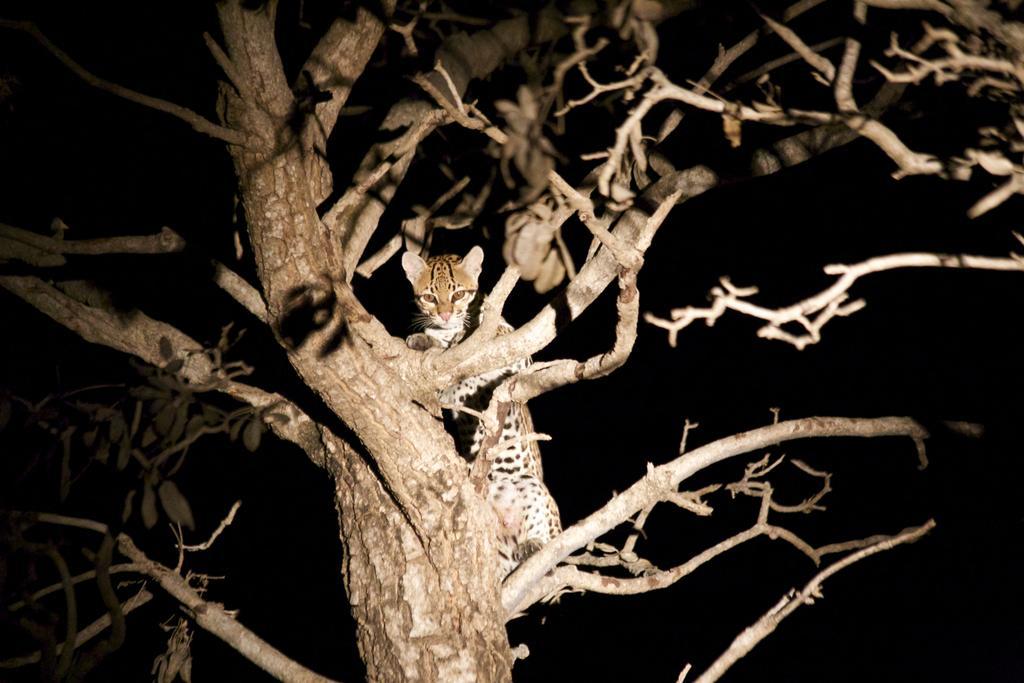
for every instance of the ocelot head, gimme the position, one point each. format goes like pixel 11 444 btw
pixel 444 286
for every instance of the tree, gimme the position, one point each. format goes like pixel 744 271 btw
pixel 419 558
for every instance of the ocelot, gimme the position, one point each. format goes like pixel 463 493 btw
pixel 446 289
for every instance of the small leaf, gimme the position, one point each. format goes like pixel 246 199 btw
pixel 195 424
pixel 103 450
pixel 135 419
pixel 124 452
pixel 117 427
pixel 148 393
pixel 166 350
pixel 89 437
pixel 148 437
pixel 126 512
pixel 212 415
pixel 175 504
pixel 235 429
pixel 253 434
pixel 148 506
pixel 178 428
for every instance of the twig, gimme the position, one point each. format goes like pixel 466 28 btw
pixel 164 242
pixel 208 615
pixel 224 524
pixel 822 64
pixel 754 634
pixel 86 634
pixel 815 311
pixel 167 241
pixel 198 123
pixel 667 477
pixel 75 580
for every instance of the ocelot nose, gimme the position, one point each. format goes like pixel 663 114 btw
pixel 445 315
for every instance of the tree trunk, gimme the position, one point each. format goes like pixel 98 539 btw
pixel 420 562
pixel 415 620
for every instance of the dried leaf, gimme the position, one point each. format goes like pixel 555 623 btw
pixel 732 127
pixel 552 273
pixel 148 506
pixel 175 504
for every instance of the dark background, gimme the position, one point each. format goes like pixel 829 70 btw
pixel 935 345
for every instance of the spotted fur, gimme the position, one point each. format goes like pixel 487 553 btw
pixel 446 287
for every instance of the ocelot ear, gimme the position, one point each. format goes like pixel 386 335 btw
pixel 413 266
pixel 473 262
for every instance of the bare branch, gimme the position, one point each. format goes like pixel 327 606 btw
pixel 726 58
pixel 822 64
pixel 89 632
pixel 667 477
pixel 543 377
pixel 329 73
pixel 464 58
pixel 239 289
pixel 208 615
pixel 140 335
pixel 198 123
pixel 634 228
pixel 242 85
pixel 764 626
pixel 164 242
pixel 814 312
pixel 75 580
pixel 216 620
pixel 41 250
pixel 224 524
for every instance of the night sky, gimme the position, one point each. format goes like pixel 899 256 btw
pixel 933 345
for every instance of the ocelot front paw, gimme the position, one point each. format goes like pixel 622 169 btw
pixel 420 342
pixel 527 548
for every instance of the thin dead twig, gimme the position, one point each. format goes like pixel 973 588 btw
pixel 754 634
pixel 814 312
pixel 198 123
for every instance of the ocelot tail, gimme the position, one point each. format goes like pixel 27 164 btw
pixel 446 289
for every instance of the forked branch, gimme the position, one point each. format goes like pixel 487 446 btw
pixel 763 627
pixel 814 312
pixel 666 478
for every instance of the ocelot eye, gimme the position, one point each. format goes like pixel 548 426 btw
pixel 458 295
pixel 428 298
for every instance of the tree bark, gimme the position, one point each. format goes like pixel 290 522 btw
pixel 420 565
